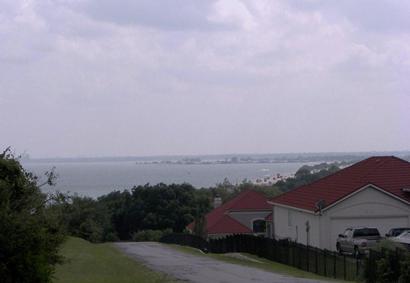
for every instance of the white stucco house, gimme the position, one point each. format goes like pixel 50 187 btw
pixel 374 192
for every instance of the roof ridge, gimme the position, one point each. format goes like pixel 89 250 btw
pixel 226 207
pixel 246 193
pixel 384 172
pixel 384 159
pixel 228 204
pixel 240 197
pixel 324 178
pixel 382 162
pixel 400 159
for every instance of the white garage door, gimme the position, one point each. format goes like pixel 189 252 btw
pixel 384 224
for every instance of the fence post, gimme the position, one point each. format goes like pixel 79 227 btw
pixel 357 267
pixel 324 260
pixel 334 264
pixel 299 249
pixel 370 275
pixel 344 267
pixel 274 250
pixel 292 246
pixel 316 262
pixel 307 257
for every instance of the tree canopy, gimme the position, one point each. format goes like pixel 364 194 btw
pixel 29 235
pixel 124 215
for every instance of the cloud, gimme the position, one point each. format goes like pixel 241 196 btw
pixel 200 77
pixel 165 15
pixel 369 16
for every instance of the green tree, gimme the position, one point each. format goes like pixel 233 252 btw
pixel 29 235
pixel 306 175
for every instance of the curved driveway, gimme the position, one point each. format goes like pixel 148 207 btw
pixel 199 269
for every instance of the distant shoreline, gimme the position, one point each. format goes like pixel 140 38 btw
pixel 224 158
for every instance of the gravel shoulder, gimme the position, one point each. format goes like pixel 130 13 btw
pixel 199 269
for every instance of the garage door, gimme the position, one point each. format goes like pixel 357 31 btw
pixel 338 225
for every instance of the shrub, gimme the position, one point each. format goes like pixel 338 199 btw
pixel 405 270
pixel 29 234
pixel 387 263
pixel 388 245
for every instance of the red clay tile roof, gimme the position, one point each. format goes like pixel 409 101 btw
pixel 227 225
pixel 249 200
pixel 218 220
pixel 389 173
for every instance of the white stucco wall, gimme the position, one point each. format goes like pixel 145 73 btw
pixel 369 207
pixel 295 229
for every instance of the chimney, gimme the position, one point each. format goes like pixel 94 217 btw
pixel 217 201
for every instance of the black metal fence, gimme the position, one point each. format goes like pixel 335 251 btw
pixel 322 262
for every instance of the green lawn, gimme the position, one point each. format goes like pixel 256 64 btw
pixel 262 264
pixel 101 263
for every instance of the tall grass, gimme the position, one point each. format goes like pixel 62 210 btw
pixel 101 263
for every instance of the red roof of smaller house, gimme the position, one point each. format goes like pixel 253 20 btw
pixel 218 220
pixel 388 173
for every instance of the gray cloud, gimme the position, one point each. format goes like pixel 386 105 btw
pixel 103 78
pixel 370 16
pixel 165 15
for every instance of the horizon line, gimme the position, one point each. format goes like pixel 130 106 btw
pixel 27 156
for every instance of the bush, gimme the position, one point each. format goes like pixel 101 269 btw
pixel 405 270
pixel 30 235
pixel 388 263
pixel 150 235
pixel 388 245
pixel 84 217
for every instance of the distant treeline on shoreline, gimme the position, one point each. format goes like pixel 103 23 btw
pixel 226 158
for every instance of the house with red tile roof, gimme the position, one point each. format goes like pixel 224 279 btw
pixel 245 214
pixel 374 192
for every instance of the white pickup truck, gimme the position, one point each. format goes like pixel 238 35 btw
pixel 357 240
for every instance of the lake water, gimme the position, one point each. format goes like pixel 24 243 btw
pixel 97 178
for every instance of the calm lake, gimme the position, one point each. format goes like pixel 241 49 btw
pixel 97 178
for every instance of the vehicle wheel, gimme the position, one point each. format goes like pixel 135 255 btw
pixel 339 249
pixel 356 253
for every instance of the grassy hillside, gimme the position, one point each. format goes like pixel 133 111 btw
pixel 101 263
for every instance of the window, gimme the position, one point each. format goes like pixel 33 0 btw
pixel 366 232
pixel 259 226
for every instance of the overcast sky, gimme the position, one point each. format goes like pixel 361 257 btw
pixel 115 78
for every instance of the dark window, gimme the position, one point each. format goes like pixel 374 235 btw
pixel 366 232
pixel 398 231
pixel 259 226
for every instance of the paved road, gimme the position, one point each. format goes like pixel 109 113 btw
pixel 191 268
